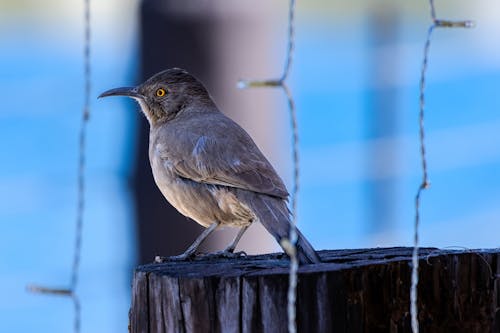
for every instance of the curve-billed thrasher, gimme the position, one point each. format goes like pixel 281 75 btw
pixel 206 165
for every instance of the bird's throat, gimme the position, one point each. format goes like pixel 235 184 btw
pixel 147 111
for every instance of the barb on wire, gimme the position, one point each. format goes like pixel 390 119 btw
pixel 47 290
pixel 71 291
pixel 288 244
pixel 436 23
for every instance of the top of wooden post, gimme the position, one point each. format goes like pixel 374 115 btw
pixel 278 263
pixel 365 290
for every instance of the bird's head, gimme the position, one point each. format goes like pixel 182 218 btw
pixel 165 94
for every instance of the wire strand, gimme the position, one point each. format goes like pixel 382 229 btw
pixel 87 70
pixel 294 263
pixel 289 245
pixel 80 205
pixel 82 151
pixel 425 184
pixel 291 41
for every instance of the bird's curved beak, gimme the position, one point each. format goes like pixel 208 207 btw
pixel 123 91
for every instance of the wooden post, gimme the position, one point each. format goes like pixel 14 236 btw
pixel 364 290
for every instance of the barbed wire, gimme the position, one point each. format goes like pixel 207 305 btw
pixel 288 244
pixel 436 23
pixel 80 209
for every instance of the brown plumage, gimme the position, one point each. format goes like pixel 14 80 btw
pixel 206 165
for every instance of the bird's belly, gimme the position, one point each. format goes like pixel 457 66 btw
pixel 183 197
pixel 204 203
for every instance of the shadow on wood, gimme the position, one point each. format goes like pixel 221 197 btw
pixel 364 290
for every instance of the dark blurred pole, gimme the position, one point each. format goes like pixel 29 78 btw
pixel 382 118
pixel 167 39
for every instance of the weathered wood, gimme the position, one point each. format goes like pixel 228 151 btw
pixel 363 290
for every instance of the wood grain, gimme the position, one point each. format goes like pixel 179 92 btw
pixel 365 290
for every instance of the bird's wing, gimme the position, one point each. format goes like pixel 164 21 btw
pixel 215 150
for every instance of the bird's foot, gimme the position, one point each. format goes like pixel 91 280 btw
pixel 180 257
pixel 189 256
pixel 225 254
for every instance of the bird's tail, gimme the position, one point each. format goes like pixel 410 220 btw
pixel 274 215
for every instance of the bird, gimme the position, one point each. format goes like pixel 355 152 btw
pixel 207 166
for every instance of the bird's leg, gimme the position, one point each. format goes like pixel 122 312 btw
pixel 228 252
pixel 230 248
pixel 191 249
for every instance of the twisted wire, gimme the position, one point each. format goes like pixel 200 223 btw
pixel 80 206
pixel 425 184
pixel 288 244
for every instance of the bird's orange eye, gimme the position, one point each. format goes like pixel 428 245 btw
pixel 160 92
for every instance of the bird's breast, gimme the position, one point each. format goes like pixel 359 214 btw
pixel 178 191
pixel 204 203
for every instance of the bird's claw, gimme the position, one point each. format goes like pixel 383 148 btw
pixel 188 256
pixel 180 257
pixel 225 254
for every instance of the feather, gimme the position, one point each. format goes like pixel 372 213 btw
pixel 224 154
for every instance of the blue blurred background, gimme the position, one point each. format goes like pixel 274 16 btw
pixel 355 80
